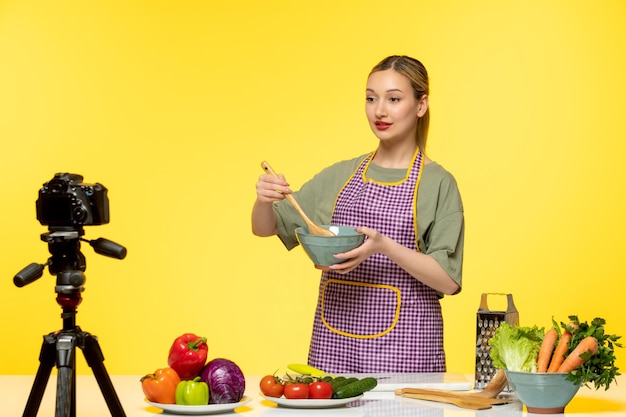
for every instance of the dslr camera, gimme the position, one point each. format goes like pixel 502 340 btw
pixel 65 201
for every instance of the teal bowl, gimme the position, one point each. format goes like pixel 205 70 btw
pixel 542 393
pixel 321 249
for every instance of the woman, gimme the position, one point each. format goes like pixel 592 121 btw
pixel 379 310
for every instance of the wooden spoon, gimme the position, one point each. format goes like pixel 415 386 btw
pixel 475 400
pixel 470 403
pixel 313 228
pixel 493 388
pixel 438 396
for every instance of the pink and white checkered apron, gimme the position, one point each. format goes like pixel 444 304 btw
pixel 378 318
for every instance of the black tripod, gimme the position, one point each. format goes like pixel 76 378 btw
pixel 59 348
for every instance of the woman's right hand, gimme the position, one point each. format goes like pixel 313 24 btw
pixel 270 188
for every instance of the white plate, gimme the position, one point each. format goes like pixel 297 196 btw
pixel 310 403
pixel 191 410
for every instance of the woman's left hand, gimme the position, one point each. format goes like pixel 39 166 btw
pixel 374 243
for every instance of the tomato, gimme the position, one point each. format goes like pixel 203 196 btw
pixel 271 386
pixel 320 390
pixel 297 391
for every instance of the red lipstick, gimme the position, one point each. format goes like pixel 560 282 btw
pixel 380 125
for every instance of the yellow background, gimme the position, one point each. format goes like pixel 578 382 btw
pixel 173 105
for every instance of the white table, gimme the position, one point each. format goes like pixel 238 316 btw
pixel 14 391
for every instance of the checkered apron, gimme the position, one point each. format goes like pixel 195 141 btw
pixel 378 318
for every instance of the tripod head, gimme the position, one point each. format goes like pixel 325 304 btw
pixel 67 261
pixel 66 205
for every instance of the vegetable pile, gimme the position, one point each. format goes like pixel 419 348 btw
pixel 582 350
pixel 310 383
pixel 191 380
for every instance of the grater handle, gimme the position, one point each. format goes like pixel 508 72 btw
pixel 510 308
pixel 510 305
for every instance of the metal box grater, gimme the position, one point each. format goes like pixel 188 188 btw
pixel 487 321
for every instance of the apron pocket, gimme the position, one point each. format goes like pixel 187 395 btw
pixel 358 309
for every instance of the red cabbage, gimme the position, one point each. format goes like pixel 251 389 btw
pixel 225 379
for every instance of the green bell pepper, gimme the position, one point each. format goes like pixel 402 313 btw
pixel 192 392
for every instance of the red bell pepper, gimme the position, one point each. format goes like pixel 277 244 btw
pixel 188 355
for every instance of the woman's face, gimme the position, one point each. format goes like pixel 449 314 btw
pixel 391 107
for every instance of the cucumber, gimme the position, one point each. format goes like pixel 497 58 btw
pixel 355 388
pixel 340 381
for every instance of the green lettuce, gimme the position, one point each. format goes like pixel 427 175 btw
pixel 515 348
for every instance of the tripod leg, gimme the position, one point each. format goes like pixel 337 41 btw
pixel 94 357
pixel 65 388
pixel 46 363
pixel 66 377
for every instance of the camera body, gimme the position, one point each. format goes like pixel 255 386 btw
pixel 65 201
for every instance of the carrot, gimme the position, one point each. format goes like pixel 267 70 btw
pixel 559 352
pixel 561 349
pixel 545 352
pixel 573 360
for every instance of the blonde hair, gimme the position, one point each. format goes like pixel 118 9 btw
pixel 417 75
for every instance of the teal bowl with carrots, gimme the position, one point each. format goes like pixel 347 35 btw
pixel 542 393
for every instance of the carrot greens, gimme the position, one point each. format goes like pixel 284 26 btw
pixel 598 369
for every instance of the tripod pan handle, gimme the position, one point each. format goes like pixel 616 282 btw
pixel 29 274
